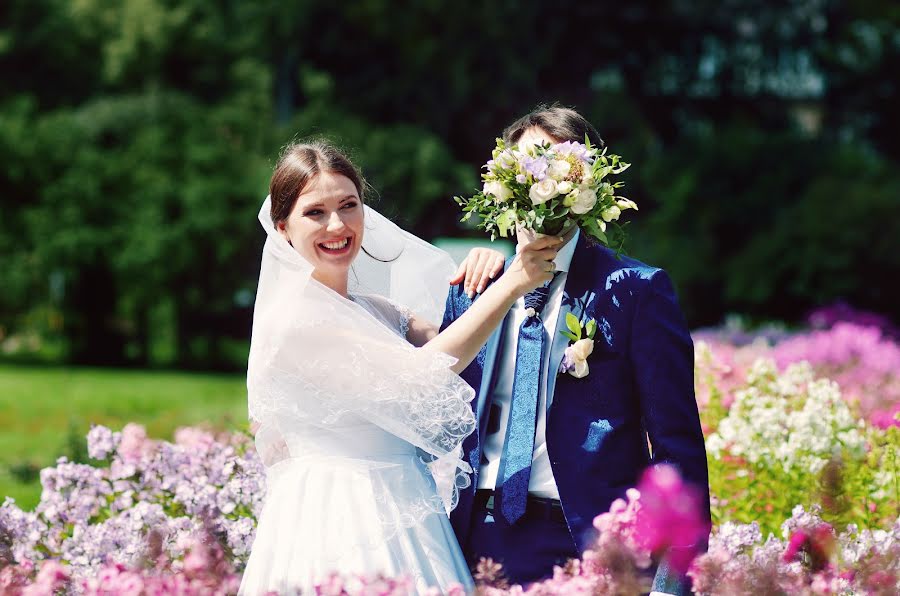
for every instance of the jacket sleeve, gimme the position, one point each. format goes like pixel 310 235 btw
pixel 662 353
pixel 450 307
pixel 457 304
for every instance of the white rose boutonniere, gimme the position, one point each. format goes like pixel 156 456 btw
pixel 575 358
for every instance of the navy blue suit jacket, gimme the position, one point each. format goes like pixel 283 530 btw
pixel 641 384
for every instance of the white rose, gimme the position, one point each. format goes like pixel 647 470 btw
pixel 564 187
pixel 582 348
pixel 581 369
pixel 584 202
pixel 498 190
pixel 543 191
pixel 611 213
pixel 559 169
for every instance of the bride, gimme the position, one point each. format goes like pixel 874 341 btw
pixel 354 395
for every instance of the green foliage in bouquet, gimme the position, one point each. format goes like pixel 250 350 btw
pixel 548 189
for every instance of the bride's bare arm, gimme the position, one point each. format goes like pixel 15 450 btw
pixel 465 336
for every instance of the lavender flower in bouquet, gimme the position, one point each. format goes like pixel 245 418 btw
pixel 549 189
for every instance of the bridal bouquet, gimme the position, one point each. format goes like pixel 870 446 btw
pixel 548 189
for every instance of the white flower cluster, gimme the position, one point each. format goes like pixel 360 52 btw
pixel 791 419
pixel 856 544
pixel 735 539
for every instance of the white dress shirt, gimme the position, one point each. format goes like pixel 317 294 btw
pixel 542 483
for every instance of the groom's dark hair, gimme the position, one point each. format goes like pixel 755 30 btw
pixel 561 123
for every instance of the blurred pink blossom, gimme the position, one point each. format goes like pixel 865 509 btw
pixel 670 517
pixel 864 362
pixel 817 543
pixel 194 438
pixel 51 579
pixel 134 443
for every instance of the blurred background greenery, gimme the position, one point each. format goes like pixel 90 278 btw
pixel 137 138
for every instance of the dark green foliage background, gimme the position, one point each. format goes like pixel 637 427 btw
pixel 137 137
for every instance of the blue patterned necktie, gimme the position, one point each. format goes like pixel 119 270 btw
pixel 514 472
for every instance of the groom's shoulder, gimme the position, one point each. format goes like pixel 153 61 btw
pixel 622 269
pixel 457 303
pixel 458 294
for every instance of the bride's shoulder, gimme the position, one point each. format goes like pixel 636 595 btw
pixel 386 308
pixel 374 301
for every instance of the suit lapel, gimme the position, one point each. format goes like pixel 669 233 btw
pixel 558 349
pixel 577 297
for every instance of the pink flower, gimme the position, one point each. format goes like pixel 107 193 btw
pixel 795 545
pixel 134 443
pixel 670 516
pixel 817 543
pixel 863 361
pixel 194 438
pixel 53 574
pixel 197 560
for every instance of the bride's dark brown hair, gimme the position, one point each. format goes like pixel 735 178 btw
pixel 299 165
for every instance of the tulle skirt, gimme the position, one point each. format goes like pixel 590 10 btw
pixel 326 515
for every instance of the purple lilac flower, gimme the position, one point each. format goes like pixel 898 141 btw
pixel 72 493
pixel 101 442
pixel 568 361
pixel 536 166
pixel 24 529
pixel 840 312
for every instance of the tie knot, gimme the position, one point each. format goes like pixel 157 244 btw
pixel 536 299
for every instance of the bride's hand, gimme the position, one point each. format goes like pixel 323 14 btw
pixel 480 266
pixel 533 265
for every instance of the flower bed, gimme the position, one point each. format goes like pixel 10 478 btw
pixel 803 445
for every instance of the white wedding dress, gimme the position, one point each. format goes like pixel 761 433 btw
pixel 348 497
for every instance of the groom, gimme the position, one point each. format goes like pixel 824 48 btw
pixel 553 451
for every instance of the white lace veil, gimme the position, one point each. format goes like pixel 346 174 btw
pixel 322 363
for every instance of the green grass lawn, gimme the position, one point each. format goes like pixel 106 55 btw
pixel 46 412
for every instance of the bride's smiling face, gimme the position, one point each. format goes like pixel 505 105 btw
pixel 326 226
